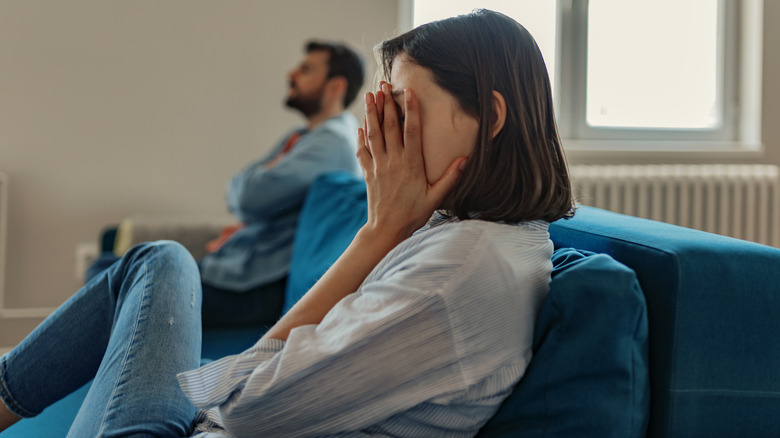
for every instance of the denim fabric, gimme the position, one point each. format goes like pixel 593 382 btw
pixel 103 262
pixel 260 305
pixel 132 328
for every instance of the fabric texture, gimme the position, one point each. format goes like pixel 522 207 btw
pixel 589 374
pixel 712 304
pixel 432 342
pixel 334 211
pixel 268 201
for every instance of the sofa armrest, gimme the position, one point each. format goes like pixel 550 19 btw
pixel 712 304
pixel 192 232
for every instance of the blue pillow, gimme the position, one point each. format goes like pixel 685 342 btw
pixel 333 211
pixel 589 373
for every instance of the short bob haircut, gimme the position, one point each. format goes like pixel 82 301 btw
pixel 520 174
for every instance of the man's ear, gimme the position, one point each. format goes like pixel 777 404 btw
pixel 337 86
pixel 499 114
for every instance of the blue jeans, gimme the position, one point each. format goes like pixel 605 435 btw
pixel 132 328
pixel 260 305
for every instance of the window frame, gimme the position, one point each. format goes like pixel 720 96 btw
pixel 740 100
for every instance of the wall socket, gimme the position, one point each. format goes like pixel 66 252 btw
pixel 86 253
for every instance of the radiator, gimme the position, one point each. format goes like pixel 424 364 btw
pixel 741 201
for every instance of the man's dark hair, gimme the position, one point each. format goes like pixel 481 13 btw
pixel 342 61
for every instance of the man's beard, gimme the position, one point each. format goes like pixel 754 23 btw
pixel 308 105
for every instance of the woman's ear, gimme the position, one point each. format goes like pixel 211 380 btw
pixel 499 114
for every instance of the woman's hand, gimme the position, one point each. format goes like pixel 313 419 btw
pixel 400 199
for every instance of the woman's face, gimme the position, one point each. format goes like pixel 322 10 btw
pixel 447 131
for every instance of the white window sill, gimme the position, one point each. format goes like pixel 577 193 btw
pixel 663 149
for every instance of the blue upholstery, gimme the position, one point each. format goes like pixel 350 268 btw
pixel 714 310
pixel 333 212
pixel 223 341
pixel 53 422
pixel 588 376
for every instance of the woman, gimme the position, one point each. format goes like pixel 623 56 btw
pixel 420 328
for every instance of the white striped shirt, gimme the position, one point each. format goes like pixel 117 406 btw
pixel 430 344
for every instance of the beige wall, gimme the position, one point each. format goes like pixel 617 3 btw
pixel 111 108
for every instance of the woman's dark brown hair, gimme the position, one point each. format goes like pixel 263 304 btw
pixel 520 174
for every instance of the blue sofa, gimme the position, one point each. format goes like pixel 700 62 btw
pixel 650 329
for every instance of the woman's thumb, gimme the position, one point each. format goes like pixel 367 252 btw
pixel 446 183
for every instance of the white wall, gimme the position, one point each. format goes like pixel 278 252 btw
pixel 110 108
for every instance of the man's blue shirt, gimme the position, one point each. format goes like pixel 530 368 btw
pixel 268 202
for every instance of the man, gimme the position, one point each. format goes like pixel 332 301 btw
pixel 243 275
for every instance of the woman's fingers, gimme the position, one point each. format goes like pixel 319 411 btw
pixel 411 135
pixel 400 198
pixel 380 104
pixel 363 155
pixel 364 133
pixel 374 138
pixel 390 124
pixel 439 190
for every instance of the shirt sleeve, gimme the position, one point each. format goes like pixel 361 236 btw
pixel 379 352
pixel 258 193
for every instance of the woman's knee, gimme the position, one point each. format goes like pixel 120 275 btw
pixel 163 252
pixel 164 260
pixel 171 249
pixel 168 269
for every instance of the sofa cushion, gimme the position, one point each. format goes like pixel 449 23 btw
pixel 333 211
pixel 712 306
pixel 589 373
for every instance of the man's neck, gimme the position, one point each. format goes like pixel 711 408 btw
pixel 317 119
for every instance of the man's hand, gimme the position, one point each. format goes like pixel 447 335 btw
pixel 216 244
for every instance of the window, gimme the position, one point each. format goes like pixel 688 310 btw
pixel 671 75
pixel 653 64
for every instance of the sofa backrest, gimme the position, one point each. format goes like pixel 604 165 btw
pixel 332 213
pixel 714 310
